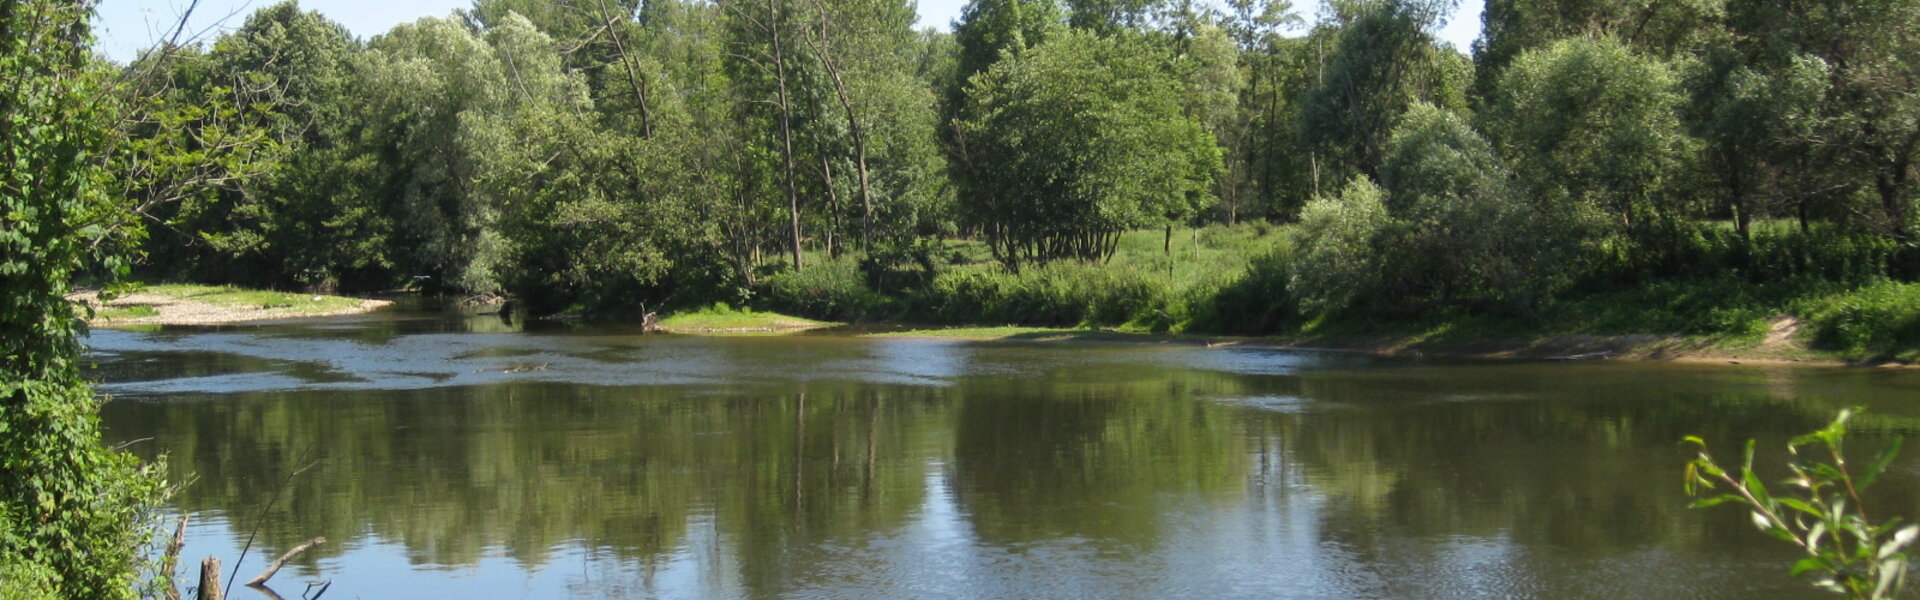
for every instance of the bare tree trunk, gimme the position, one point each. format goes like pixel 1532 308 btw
pixel 209 579
pixel 786 129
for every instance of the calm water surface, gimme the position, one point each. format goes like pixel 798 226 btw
pixel 457 458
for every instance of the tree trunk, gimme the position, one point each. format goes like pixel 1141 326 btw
pixel 786 130
pixel 834 233
pixel 209 579
pixel 633 75
pixel 858 133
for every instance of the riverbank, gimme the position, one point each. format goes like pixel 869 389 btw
pixel 180 304
pixel 1784 344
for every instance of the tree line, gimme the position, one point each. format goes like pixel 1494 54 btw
pixel 599 153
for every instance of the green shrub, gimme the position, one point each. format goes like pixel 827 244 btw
pixel 1063 293
pixel 1258 302
pixel 1879 319
pixel 81 515
pixel 1336 262
pixel 832 289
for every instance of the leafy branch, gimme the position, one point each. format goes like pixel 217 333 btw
pixel 1826 517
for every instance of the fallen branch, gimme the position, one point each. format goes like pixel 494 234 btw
pixel 275 567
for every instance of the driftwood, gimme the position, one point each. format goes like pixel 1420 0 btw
pixel 1587 356
pixel 282 561
pixel 172 558
pixel 209 579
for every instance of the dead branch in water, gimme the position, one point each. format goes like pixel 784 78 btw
pixel 172 558
pixel 282 561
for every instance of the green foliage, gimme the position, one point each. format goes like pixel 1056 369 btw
pixel 1075 141
pixel 989 30
pixel 1664 29
pixel 1878 319
pixel 1336 262
pixel 73 508
pixel 71 511
pixel 835 289
pixel 1385 61
pixel 1466 235
pixel 1064 293
pixel 1256 303
pixel 1825 517
pixel 1589 122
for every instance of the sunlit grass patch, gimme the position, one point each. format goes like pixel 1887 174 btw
pixel 721 317
pixel 260 299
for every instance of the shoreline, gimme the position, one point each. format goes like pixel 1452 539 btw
pixel 199 305
pixel 1640 347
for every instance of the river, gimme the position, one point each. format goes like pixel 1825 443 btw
pixel 459 458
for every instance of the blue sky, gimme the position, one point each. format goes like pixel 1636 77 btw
pixel 126 26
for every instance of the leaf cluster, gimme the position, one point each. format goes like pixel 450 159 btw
pixel 1824 515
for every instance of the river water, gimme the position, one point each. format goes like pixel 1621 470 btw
pixel 459 458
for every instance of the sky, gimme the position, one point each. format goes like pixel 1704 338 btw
pixel 126 26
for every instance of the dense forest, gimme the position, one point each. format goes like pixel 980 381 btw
pixel 823 157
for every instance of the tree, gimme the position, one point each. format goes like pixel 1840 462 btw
pixel 1755 122
pixel 1591 122
pixel 1466 236
pixel 988 30
pixel 1661 28
pixel 211 138
pixel 1337 261
pixel 764 59
pixel 1384 61
pixel 1870 122
pixel 418 84
pixel 71 510
pixel 1075 141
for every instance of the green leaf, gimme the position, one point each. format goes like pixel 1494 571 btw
pixel 1810 563
pixel 1879 464
pixel 1800 505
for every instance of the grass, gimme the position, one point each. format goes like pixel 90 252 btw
pixel 134 311
pixel 722 318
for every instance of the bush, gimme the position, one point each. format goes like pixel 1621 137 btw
pixel 1336 262
pixel 1256 303
pixel 1880 319
pixel 1064 293
pixel 832 290
pixel 81 516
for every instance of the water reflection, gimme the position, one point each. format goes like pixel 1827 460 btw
pixel 843 468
